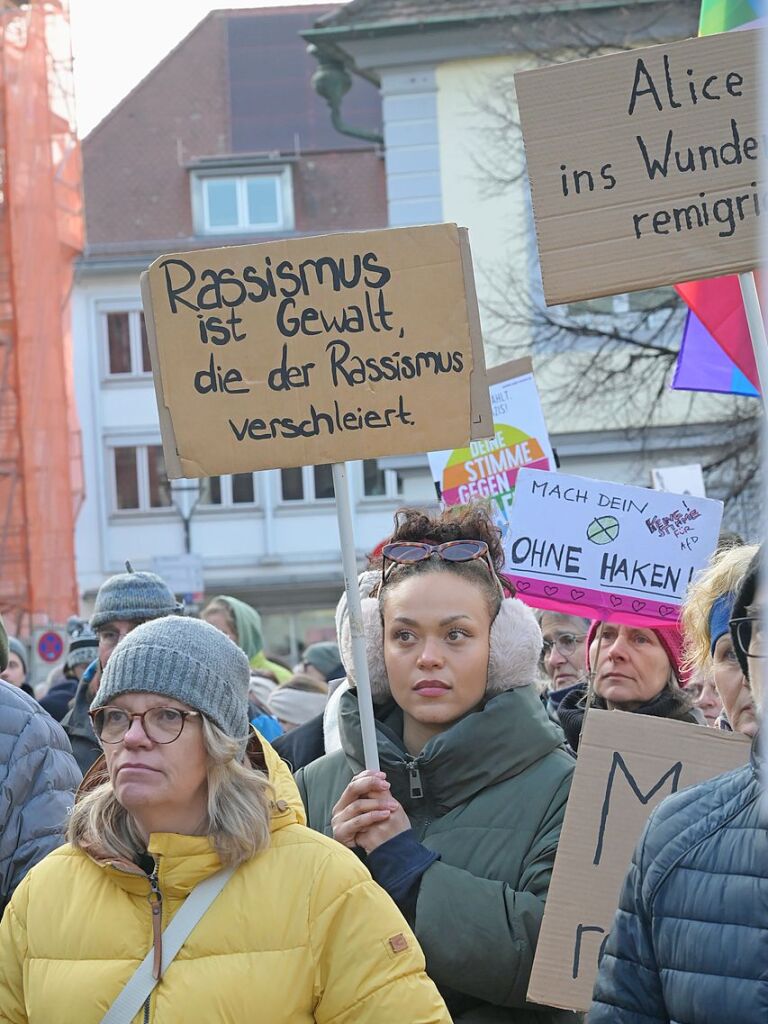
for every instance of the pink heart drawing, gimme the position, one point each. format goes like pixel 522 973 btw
pixel 615 600
pixel 637 606
pixel 665 610
pixel 522 585
pixel 550 590
pixel 577 594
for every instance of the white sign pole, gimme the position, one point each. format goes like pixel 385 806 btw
pixel 355 612
pixel 756 331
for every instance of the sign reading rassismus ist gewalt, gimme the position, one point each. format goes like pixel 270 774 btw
pixel 316 350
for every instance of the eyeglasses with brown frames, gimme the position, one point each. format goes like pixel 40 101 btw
pixel 162 725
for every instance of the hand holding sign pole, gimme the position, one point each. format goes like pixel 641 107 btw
pixel 314 351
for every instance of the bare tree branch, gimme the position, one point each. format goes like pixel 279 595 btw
pixel 615 354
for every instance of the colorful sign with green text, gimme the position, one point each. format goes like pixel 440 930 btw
pixel 488 469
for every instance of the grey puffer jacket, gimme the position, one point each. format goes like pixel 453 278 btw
pixel 689 943
pixel 38 780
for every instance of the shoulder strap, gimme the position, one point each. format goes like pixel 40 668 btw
pixel 141 983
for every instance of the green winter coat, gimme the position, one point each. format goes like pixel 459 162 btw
pixel 489 796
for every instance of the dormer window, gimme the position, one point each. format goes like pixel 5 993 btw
pixel 258 202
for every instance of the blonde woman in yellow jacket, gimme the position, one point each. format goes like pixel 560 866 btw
pixel 299 933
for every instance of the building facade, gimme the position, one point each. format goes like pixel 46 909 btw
pixel 224 142
pixel 453 152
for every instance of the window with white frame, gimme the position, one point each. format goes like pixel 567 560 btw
pixel 125 343
pixel 226 491
pixel 139 478
pixel 381 483
pixel 306 483
pixel 232 203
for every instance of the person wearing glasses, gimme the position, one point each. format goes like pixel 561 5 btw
pixel 563 656
pixel 298 933
pixel 690 937
pixel 461 824
pixel 636 669
pixel 123 602
pixel 709 646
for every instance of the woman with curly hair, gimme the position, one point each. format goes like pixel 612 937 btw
pixel 461 824
pixel 708 644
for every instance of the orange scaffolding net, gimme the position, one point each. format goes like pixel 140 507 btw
pixel 41 233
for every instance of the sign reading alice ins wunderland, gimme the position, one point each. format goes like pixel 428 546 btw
pixel 647 167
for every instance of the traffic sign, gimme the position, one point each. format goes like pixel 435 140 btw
pixel 50 646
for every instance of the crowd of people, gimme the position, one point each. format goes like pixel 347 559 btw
pixel 176 765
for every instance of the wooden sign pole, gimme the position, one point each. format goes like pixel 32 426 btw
pixel 355 612
pixel 756 331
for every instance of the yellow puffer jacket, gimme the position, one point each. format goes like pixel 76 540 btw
pixel 300 933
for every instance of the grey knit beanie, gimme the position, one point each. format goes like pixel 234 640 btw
pixel 325 657
pixel 19 648
pixel 135 597
pixel 83 647
pixel 188 660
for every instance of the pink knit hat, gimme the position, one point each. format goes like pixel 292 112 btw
pixel 670 638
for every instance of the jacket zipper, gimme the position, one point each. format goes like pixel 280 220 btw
pixel 414 780
pixel 155 900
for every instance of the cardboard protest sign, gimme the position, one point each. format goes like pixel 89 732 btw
pixel 316 350
pixel 613 551
pixel 627 765
pixel 647 167
pixel 488 469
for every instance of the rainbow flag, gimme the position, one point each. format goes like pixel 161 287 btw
pixel 703 366
pixel 717 312
pixel 725 15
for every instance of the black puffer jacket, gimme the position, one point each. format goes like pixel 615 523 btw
pixel 689 943
pixel 77 725
pixel 38 779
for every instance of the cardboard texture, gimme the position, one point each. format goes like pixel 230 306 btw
pixel 612 551
pixel 489 468
pixel 316 350
pixel 647 167
pixel 627 765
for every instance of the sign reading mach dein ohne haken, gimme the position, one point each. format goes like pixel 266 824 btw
pixel 316 350
pixel 647 167
pixel 612 551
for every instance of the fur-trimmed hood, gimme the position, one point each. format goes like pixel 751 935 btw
pixel 515 644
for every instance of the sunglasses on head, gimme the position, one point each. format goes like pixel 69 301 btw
pixel 410 552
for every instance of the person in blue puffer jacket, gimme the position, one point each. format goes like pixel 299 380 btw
pixel 689 943
pixel 38 780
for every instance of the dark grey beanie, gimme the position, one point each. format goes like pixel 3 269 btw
pixel 135 597
pixel 188 660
